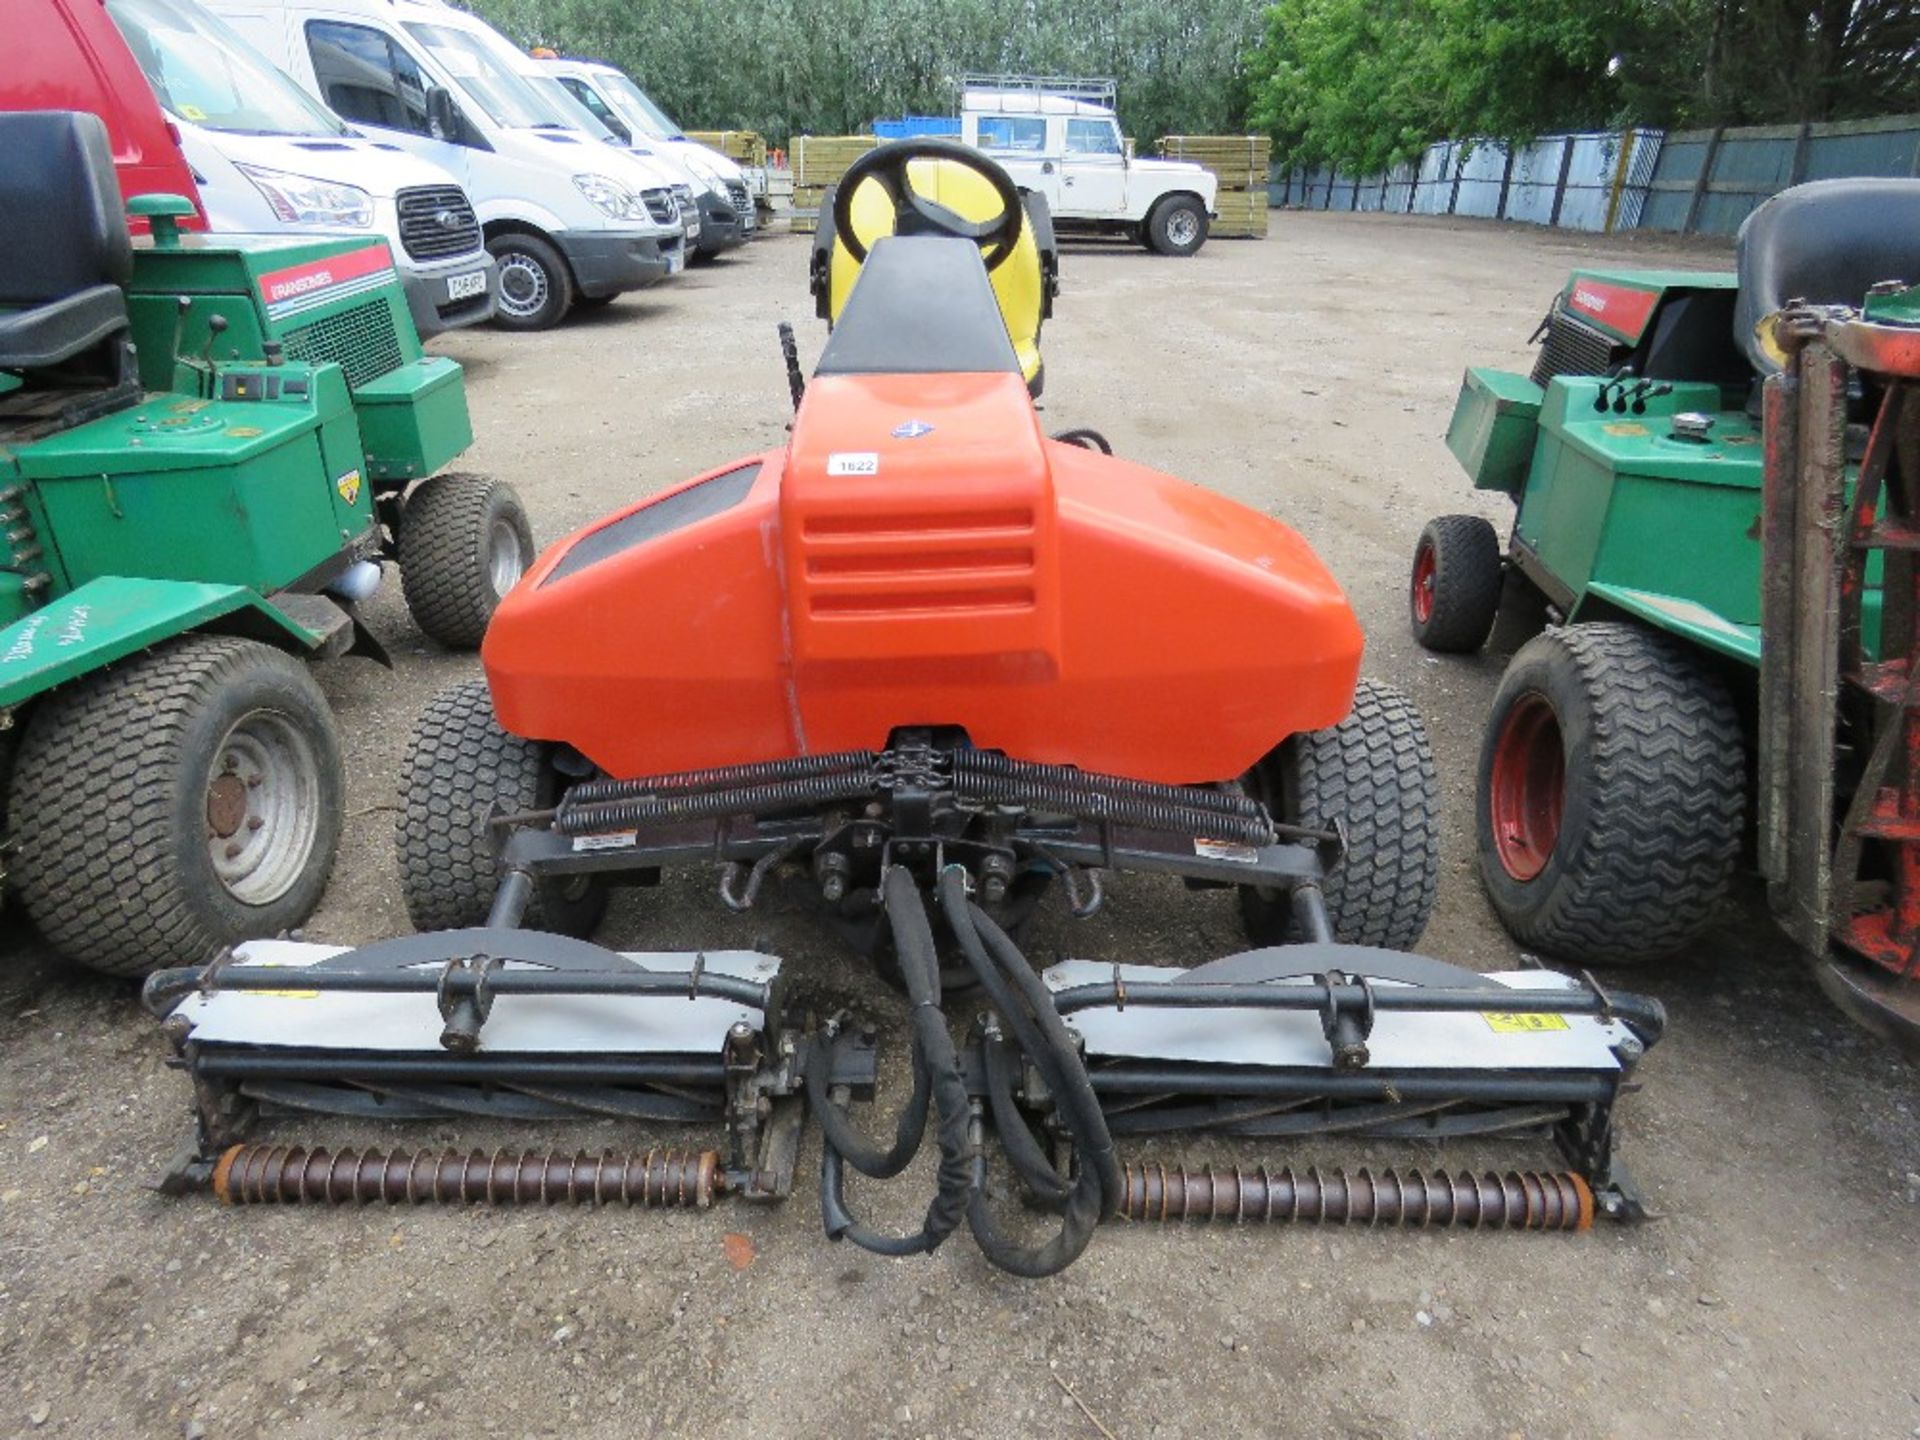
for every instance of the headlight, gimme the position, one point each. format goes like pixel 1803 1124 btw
pixel 302 200
pixel 611 197
pixel 708 177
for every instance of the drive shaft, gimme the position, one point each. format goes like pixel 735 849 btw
pixel 1516 1200
pixel 294 1175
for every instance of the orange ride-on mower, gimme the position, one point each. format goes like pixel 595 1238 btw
pixel 941 664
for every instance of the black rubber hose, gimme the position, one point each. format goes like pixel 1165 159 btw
pixel 1024 1152
pixel 1095 1186
pixel 1074 1092
pixel 933 1048
pixel 837 1126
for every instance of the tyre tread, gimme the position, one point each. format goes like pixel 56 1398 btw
pixel 1468 579
pixel 441 544
pixel 90 809
pixel 1669 771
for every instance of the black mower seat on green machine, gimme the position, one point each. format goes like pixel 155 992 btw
pixel 65 239
pixel 1826 242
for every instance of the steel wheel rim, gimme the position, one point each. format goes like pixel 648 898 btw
pixel 505 563
pixel 1527 787
pixel 523 285
pixel 1183 226
pixel 1424 569
pixel 262 807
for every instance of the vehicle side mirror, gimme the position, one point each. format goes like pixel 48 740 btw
pixel 443 116
pixel 621 132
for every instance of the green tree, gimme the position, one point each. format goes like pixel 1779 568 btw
pixel 784 67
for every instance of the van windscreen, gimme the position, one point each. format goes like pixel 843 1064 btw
pixel 487 78
pixel 201 71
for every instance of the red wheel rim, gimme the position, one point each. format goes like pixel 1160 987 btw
pixel 1527 789
pixel 1423 583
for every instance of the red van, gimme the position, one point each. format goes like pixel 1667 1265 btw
pixel 68 55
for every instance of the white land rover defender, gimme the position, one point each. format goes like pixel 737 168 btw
pixel 1060 138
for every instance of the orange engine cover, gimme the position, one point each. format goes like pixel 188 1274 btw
pixel 921 554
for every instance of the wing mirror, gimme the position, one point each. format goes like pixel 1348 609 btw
pixel 443 116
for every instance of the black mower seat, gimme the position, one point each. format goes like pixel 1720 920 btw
pixel 1826 242
pixel 922 306
pixel 64 235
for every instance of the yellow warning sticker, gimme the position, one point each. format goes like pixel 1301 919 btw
pixel 1505 1022
pixel 193 113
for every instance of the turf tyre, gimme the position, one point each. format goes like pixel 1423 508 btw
pixel 1652 808
pixel 1372 774
pixel 461 765
pixel 110 804
pixel 1453 598
pixel 464 542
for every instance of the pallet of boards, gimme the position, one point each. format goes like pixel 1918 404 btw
pixel 743 146
pixel 819 160
pixel 1243 214
pixel 1241 162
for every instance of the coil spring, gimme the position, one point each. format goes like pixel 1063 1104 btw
pixel 992 762
pixel 724 777
pixel 1098 805
pixel 293 1175
pixel 1518 1200
pixel 746 800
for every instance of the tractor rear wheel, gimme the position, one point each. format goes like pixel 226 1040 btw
pixel 1612 795
pixel 176 803
pixel 1372 773
pixel 461 767
pixel 464 542
pixel 1454 597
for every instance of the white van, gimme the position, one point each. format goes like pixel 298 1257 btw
pixel 727 216
pixel 267 158
pixel 578 117
pixel 570 220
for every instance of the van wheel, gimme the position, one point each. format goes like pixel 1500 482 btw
pixel 536 288
pixel 1178 226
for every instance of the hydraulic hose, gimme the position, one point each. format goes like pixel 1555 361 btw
pixel 1026 1007
pixel 933 1055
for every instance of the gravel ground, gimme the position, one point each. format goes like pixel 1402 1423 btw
pixel 1310 376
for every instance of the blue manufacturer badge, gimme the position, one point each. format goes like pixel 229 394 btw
pixel 912 430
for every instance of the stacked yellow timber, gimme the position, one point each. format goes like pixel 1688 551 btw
pixel 1240 163
pixel 819 161
pixel 744 147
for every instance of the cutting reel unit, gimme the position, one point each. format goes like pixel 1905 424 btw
pixel 931 853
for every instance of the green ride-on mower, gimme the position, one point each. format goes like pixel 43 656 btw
pixel 207 444
pixel 1627 739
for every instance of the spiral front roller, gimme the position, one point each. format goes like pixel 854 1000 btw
pixel 294 1175
pixel 1517 1200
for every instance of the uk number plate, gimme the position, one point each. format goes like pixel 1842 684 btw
pixel 465 287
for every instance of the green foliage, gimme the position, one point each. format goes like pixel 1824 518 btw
pixel 1364 84
pixel 830 67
